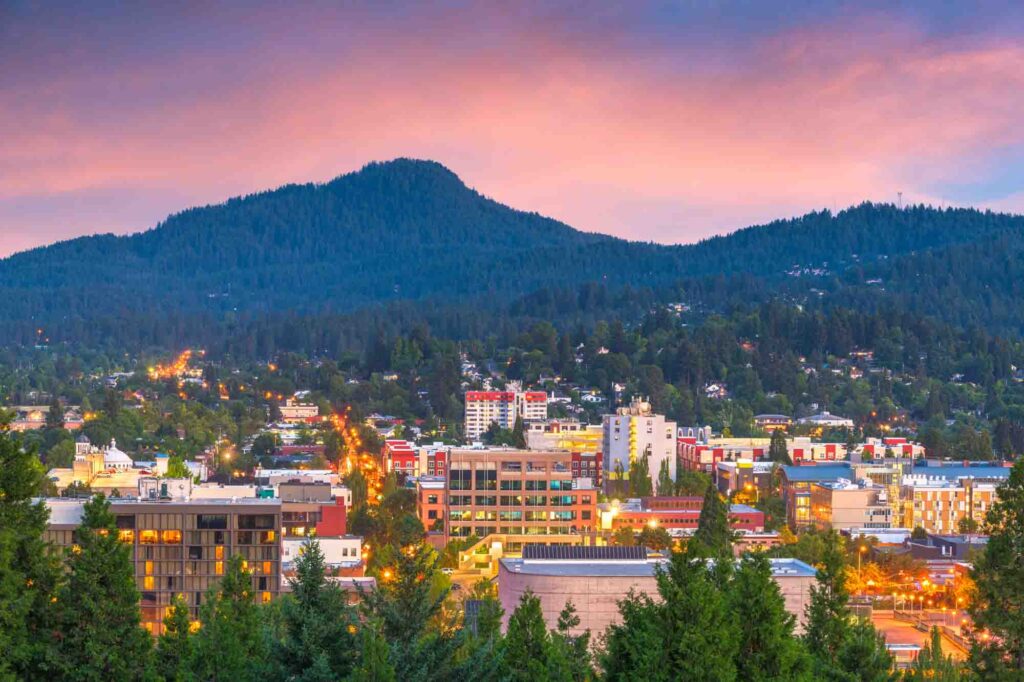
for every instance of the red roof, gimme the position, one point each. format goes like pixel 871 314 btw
pixel 536 396
pixel 506 396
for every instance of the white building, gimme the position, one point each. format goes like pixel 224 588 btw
pixel 826 419
pixel 636 431
pixel 293 411
pixel 502 408
pixel 343 551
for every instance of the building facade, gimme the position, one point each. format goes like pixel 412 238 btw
pixel 182 547
pixel 484 408
pixel 844 505
pixel 634 432
pixel 511 492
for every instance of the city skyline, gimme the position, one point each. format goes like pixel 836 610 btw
pixel 655 123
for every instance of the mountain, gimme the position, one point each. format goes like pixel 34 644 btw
pixel 410 235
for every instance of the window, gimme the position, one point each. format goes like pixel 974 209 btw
pixel 261 583
pixel 268 567
pixel 148 567
pixel 148 583
pixel 212 521
pixel 268 537
pixel 431 513
pixel 218 568
pixel 195 552
pixel 536 485
pixel 171 537
pixel 256 521
pixel 486 500
pixel 512 466
pixel 148 537
pixel 431 499
pixel 487 480
pixel 459 479
pixel 126 536
pixel 218 553
pixel 512 485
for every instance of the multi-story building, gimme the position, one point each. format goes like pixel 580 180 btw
pixel 845 505
pixel 678 515
pixel 294 412
pixel 797 481
pixel 401 457
pixel 695 455
pixel 772 422
pixel 484 408
pixel 430 502
pixel 595 578
pixel 564 434
pixel 511 492
pixel 633 432
pixel 182 547
pixel 744 475
pixel 938 504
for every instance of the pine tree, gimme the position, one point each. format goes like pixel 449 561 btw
pixel 768 650
pixel 374 664
pixel 519 434
pixel 407 606
pixel 827 614
pixel 55 414
pixel 230 644
pixel 634 646
pixel 174 648
pixel 573 649
pixel 640 477
pixel 29 569
pixel 932 665
pixel 528 642
pixel 999 579
pixel 100 636
pixel 713 536
pixel 777 450
pixel 666 486
pixel 318 642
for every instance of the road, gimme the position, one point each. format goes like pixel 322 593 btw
pixel 902 632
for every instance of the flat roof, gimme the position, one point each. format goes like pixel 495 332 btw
pixel 629 568
pixel 817 472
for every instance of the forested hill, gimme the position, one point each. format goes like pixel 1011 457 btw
pixel 410 231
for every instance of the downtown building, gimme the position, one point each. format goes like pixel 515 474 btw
pixel 183 546
pixel 634 432
pixel 484 408
pixel 507 492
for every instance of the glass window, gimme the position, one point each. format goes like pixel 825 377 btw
pixel 256 521
pixel 212 521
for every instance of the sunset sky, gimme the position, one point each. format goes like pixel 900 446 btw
pixel 662 121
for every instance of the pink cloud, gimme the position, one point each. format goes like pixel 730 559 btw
pixel 628 142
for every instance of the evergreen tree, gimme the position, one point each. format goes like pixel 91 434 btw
pixel 640 477
pixel 174 647
pixel 768 650
pixel 633 647
pixel 55 414
pixel 519 434
pixel 777 450
pixel 230 644
pixel 666 486
pixel 827 614
pixel 29 570
pixel 100 636
pixel 999 579
pixel 574 649
pixel 374 664
pixel 318 641
pixel 713 536
pixel 932 665
pixel 529 646
pixel 407 606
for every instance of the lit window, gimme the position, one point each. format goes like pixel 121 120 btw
pixel 149 568
pixel 266 597
pixel 266 568
pixel 218 552
pixel 172 537
pixel 148 582
pixel 148 537
pixel 126 536
pixel 218 568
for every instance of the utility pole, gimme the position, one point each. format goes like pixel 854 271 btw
pixel 900 200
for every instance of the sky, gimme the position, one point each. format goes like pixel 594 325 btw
pixel 662 121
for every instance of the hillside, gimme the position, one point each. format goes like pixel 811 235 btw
pixel 409 234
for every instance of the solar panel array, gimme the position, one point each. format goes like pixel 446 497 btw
pixel 583 553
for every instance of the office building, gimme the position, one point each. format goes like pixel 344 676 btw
pixel 182 547
pixel 845 505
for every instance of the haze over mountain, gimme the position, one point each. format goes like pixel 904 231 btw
pixel 411 231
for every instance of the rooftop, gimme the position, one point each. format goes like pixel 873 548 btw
pixel 639 568
pixel 810 473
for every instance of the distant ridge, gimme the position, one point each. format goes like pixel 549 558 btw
pixel 410 232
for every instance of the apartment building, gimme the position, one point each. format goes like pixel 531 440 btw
pixel 845 505
pixel 512 492
pixel 938 504
pixel 705 456
pixel 484 408
pixel 635 431
pixel 401 457
pixel 678 515
pixel 182 547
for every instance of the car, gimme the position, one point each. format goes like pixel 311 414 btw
pixel 448 571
